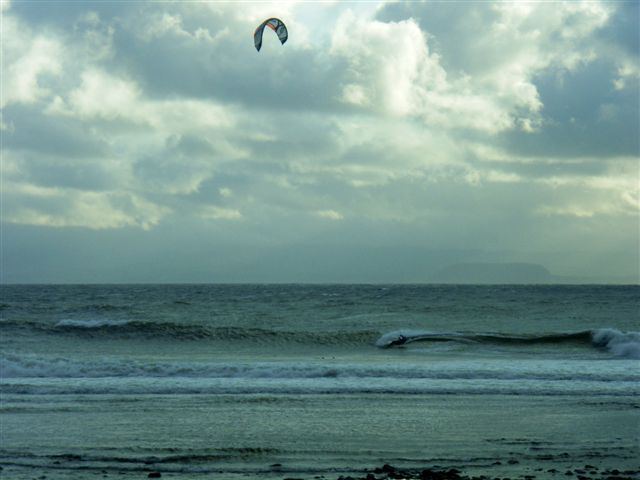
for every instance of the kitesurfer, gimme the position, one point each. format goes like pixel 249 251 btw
pixel 398 341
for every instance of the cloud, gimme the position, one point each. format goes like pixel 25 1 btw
pixel 493 54
pixel 391 70
pixel 27 58
pixel 448 124
pixel 330 214
pixel 213 212
pixel 58 207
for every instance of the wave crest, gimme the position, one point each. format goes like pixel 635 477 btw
pixel 620 344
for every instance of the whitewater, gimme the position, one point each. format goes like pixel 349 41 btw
pixel 268 381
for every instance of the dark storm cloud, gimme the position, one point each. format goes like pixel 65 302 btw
pixel 64 14
pixel 623 30
pixel 30 130
pixel 584 115
pixel 450 29
pixel 59 172
pixel 200 59
pixel 180 165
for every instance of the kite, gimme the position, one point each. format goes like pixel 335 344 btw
pixel 274 24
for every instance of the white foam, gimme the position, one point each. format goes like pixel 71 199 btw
pixel 95 323
pixel 185 385
pixel 44 366
pixel 620 344
pixel 386 339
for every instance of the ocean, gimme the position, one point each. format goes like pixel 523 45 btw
pixel 318 381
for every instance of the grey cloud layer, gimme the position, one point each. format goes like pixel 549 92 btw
pixel 473 126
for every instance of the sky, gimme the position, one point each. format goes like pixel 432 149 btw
pixel 383 142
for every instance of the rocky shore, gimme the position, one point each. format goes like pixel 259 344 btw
pixel 586 472
pixel 388 472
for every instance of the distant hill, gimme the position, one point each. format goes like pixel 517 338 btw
pixel 493 273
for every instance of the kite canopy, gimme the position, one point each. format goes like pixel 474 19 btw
pixel 274 24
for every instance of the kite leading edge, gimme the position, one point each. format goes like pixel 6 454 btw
pixel 274 24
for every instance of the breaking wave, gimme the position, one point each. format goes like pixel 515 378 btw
pixel 619 344
pixel 40 366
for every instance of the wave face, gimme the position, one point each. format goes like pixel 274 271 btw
pixel 620 344
pixel 617 343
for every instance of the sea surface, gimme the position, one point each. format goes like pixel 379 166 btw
pixel 276 381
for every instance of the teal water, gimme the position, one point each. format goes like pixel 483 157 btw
pixel 270 381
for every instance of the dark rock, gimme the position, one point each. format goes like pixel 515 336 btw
pixel 512 461
pixel 371 476
pixel 552 470
pixel 451 474
pixel 582 477
pixel 398 475
pixel 154 475
pixel 497 463
pixel 568 472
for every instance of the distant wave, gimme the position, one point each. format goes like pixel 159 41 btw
pixel 620 344
pixel 99 328
pixel 315 387
pixel 97 323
